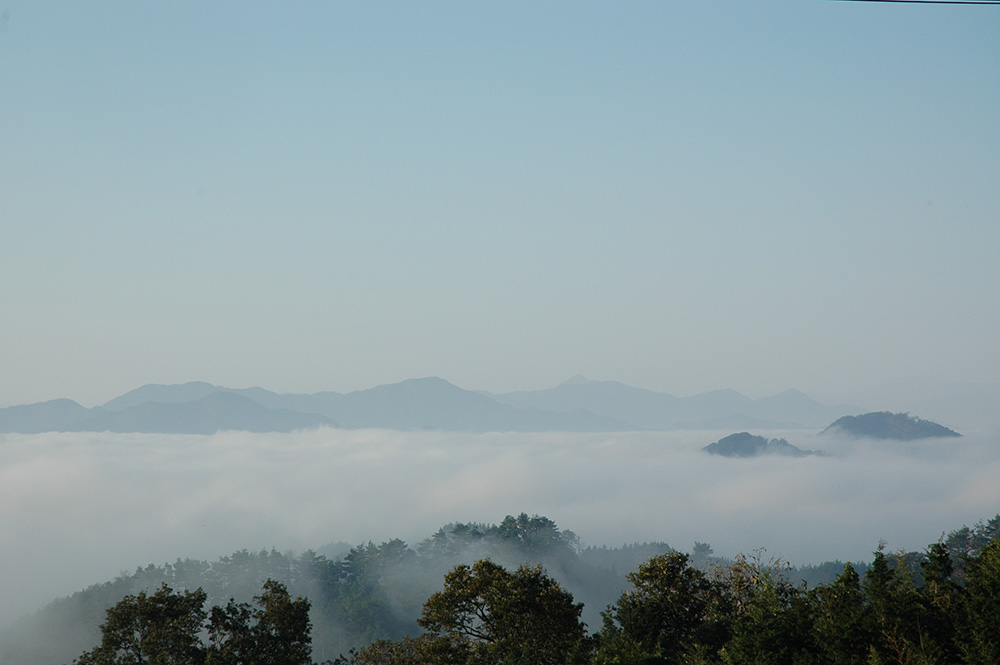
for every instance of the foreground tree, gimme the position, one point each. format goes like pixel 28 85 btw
pixel 161 629
pixel 843 623
pixel 899 621
pixel 941 598
pixel 166 628
pixel 427 648
pixel 771 618
pixel 671 612
pixel 979 622
pixel 489 615
pixel 275 632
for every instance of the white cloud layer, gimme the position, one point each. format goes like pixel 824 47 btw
pixel 77 509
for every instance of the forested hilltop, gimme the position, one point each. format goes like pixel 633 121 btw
pixel 525 591
pixel 886 425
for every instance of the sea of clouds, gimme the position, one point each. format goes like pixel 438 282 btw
pixel 80 508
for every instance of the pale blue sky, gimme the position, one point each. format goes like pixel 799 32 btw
pixel 681 196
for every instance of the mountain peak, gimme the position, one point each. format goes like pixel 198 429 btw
pixel 427 380
pixel 576 380
pixel 165 393
pixel 419 384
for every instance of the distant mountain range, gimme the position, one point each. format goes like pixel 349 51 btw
pixel 649 410
pixel 578 405
pixel 886 425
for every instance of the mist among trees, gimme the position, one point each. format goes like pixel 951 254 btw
pixel 524 590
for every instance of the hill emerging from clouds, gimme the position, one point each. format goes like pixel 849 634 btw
pixel 744 444
pixel 886 425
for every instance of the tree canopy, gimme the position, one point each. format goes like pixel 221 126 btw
pixel 167 628
pixel 937 607
pixel 500 616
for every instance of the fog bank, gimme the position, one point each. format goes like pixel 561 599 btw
pixel 77 509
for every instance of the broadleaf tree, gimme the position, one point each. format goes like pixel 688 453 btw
pixel 502 616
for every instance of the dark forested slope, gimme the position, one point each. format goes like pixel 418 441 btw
pixel 744 444
pixel 886 425
pixel 749 605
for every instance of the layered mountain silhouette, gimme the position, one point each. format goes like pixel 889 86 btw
pixel 646 409
pixel 886 425
pixel 745 444
pixel 577 405
pixel 219 410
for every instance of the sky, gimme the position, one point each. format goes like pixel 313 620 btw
pixel 682 196
pixel 80 509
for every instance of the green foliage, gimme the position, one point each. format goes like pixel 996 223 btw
pixel 531 537
pixel 505 617
pixel 979 622
pixel 898 617
pixel 166 628
pixel 430 649
pixel 940 601
pixel 815 575
pixel 842 622
pixel 276 632
pixel 670 609
pixel 159 629
pixel 771 619
pixel 701 554
pixel 938 607
pixel 357 598
pixel 534 535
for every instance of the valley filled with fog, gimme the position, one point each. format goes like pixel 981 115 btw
pixel 289 279
pixel 81 508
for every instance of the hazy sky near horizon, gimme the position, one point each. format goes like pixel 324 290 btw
pixel 681 196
